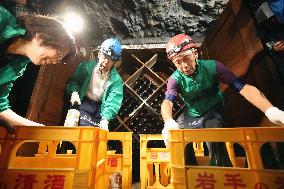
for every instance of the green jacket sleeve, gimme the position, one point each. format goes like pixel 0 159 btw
pixel 76 80
pixel 5 90
pixel 6 20
pixel 8 25
pixel 113 100
pixel 8 74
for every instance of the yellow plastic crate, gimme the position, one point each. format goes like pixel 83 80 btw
pixel 109 162
pixel 100 176
pixel 251 139
pixel 155 162
pixel 46 168
pixel 121 162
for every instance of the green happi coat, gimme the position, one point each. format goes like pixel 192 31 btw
pixel 16 66
pixel 113 94
pixel 200 92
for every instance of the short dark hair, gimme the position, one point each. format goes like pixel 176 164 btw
pixel 52 32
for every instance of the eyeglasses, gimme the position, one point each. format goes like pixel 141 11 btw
pixel 57 59
pixel 60 56
pixel 178 48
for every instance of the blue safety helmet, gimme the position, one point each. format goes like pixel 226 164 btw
pixel 111 48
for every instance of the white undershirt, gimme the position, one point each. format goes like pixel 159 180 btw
pixel 97 84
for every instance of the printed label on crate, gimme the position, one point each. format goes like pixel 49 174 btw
pixel 113 162
pixel 32 179
pixel 158 156
pixel 236 179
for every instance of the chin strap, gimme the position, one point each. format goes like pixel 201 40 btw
pixel 195 70
pixel 193 74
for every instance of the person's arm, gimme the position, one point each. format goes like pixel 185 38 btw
pixel 75 82
pixel 257 98
pixel 112 103
pixel 77 78
pixel 15 119
pixel 5 112
pixel 6 19
pixel 170 96
pixel 251 94
pixel 167 110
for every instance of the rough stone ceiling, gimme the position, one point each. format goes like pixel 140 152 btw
pixel 129 19
pixel 150 18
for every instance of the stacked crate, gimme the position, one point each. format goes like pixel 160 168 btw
pixel 45 168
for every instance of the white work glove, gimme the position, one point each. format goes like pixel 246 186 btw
pixel 75 98
pixel 169 124
pixel 104 124
pixel 275 115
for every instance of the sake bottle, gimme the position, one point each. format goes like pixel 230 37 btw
pixel 269 157
pixel 190 158
pixel 220 155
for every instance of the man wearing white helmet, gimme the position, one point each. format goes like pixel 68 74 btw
pixel 197 83
pixel 97 87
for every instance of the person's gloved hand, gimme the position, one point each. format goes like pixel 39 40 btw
pixel 104 124
pixel 275 115
pixel 169 124
pixel 75 98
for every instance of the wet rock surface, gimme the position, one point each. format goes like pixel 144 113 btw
pixel 138 18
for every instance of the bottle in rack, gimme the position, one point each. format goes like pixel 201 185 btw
pixel 270 158
pixel 129 104
pixel 144 87
pixel 157 102
pixel 145 123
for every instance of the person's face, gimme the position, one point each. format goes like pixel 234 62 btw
pixel 186 63
pixel 42 55
pixel 105 63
